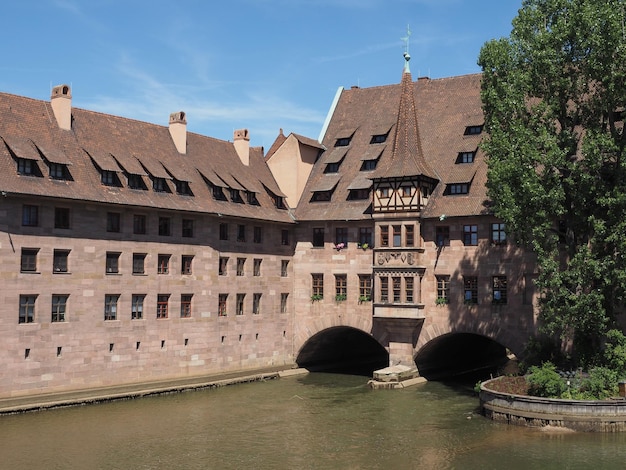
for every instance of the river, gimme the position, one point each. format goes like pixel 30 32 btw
pixel 317 421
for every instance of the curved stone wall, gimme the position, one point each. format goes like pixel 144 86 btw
pixel 579 415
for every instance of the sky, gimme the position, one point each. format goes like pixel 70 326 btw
pixel 261 65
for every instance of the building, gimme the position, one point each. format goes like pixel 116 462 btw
pixel 136 252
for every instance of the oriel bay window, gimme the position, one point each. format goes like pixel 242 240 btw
pixel 384 235
pixel 409 235
pixel 384 289
pixel 396 283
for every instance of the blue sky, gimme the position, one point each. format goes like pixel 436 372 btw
pixel 231 64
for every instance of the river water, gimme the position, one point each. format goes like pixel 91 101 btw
pixel 317 421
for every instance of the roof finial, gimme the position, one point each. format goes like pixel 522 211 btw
pixel 406 54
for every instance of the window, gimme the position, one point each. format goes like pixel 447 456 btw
pixel 187 228
pixel 256 304
pixel 457 188
pixel 218 193
pixel 241 233
pixel 240 303
pixel 470 289
pixel 108 178
pixel 409 235
pixel 59 307
pixel 407 191
pixel 113 222
pixel 343 141
pixel 223 266
pixel 136 309
pixel 28 261
pixel 163 264
pixel 257 267
pixel 341 236
pixel 30 215
pixel 159 185
pixel 318 286
pixel 284 237
pixel 396 285
pixel 257 236
pixel 57 171
pixel 365 237
pixel 162 305
pixel 240 266
pixel 498 234
pixel 341 287
pixel 27 309
pixel 223 231
pixel 378 139
pixel 110 307
pixel 384 289
pixel 443 289
pixel 59 261
pixel 165 226
pixel 321 196
pixel 409 284
pixel 185 264
pixel 283 302
pixel 235 195
pixel 499 290
pixel 318 237
pixel 182 188
pixel 112 262
pixel 25 166
pixel 397 235
pixel 369 165
pixel 470 235
pixel 251 197
pixel 61 217
pixel 136 182
pixel 332 167
pixel 358 194
pixel 466 157
pixel 138 263
pixel 365 287
pixel 185 305
pixel 442 235
pixel 383 192
pixel 284 268
pixel 139 224
pixel 384 235
pixel 473 130
pixel 221 305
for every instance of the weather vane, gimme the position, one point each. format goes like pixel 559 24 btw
pixel 406 40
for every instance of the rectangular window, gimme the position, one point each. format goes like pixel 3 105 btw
pixel 397 235
pixel 136 182
pixel 368 165
pixel 182 188
pixel 470 235
pixel 283 302
pixel 59 307
pixel 318 286
pixel 257 236
pixel 185 305
pixel 284 237
pixel 384 235
pixel 365 237
pixel 30 215
pixel 257 267
pixel 27 309
pixel 187 228
pixel 409 235
pixel 112 262
pixel 473 130
pixel 162 305
pixel 159 185
pixel 409 288
pixel 165 228
pixel 57 171
pixel 284 268
pixel 186 262
pixel 466 157
pixel 396 285
pixel 59 261
pixel 108 178
pixel 499 290
pixel 221 305
pixel 407 191
pixel 28 261
pixel 457 188
pixel 241 233
pixel 341 287
pixel 110 306
pixel 240 303
pixel 139 224
pixel 383 192
pixel 442 235
pixel 61 217
pixel 470 289
pixel 318 237
pixel 498 234
pixel 163 266
pixel 241 262
pixel 223 231
pixel 384 289
pixel 114 223
pixel 223 266
pixel 358 194
pixel 365 287
pixel 25 166
pixel 139 263
pixel 256 304
pixel 443 290
pixel 136 309
pixel 341 236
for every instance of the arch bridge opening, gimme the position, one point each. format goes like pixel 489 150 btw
pixel 344 350
pixel 457 354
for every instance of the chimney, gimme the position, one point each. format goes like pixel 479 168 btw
pixel 61 102
pixel 241 140
pixel 178 131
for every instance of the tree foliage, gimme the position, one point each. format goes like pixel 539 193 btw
pixel 554 97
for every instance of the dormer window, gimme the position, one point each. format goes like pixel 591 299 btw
pixel 320 196
pixel 368 165
pixel 343 141
pixel 159 185
pixel 218 192
pixel 235 196
pixel 378 139
pixel 457 188
pixel 332 167
pixel 466 157
pixel 251 197
pixel 182 188
pixel 358 194
pixel 473 130
pixel 136 182
pixel 25 166
pixel 108 178
pixel 58 171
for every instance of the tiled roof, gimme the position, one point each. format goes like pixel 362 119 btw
pixel 444 108
pixel 104 142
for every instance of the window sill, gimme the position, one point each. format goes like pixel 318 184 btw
pixel 30 272
pixel 61 272
pixel 140 274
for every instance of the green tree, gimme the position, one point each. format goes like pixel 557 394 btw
pixel 554 97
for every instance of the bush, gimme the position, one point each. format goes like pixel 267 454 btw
pixel 602 383
pixel 545 381
pixel 614 353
